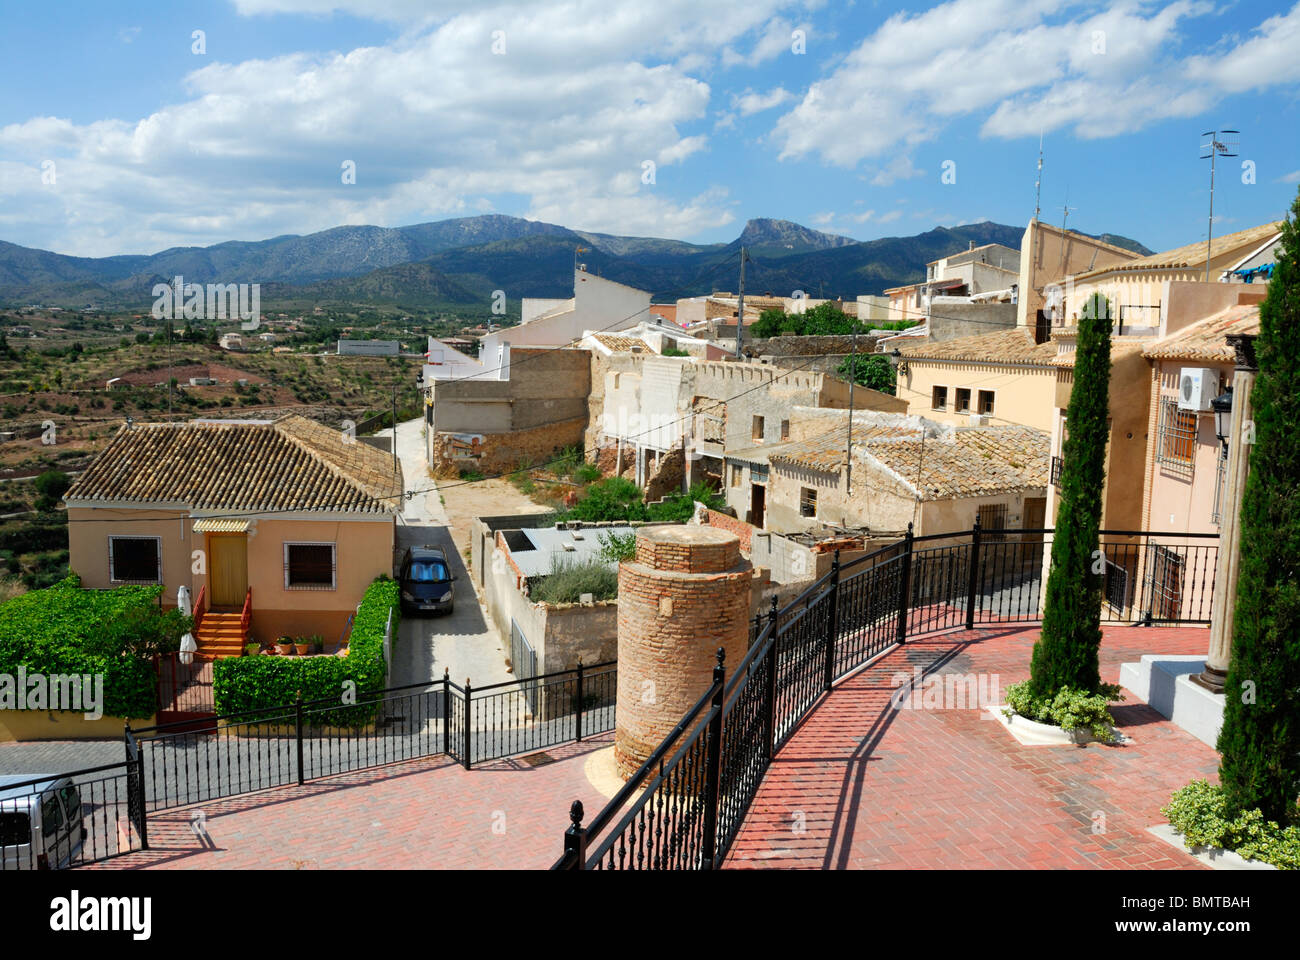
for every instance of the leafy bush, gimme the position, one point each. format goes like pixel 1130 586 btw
pixel 1199 811
pixel 617 547
pixel 681 507
pixel 66 630
pixel 674 352
pixel 587 473
pixel 472 476
pixel 869 370
pixel 241 685
pixel 611 499
pixel 568 581
pixel 825 319
pixel 1069 708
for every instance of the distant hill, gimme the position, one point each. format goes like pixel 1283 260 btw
pixel 462 261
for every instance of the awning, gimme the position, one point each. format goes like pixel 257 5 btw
pixel 221 525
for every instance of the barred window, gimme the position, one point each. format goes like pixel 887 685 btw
pixel 309 566
pixel 986 401
pixel 993 516
pixel 807 502
pixel 1221 476
pixel 1176 438
pixel 135 559
pixel 963 400
pixel 939 398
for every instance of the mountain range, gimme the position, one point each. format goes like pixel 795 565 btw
pixel 461 261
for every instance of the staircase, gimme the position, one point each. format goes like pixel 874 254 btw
pixel 220 634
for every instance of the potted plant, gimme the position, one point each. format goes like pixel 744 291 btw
pixel 317 643
pixel 302 645
pixel 285 646
pixel 252 648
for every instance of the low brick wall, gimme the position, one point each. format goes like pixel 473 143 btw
pixel 740 528
pixel 19 725
pixel 502 452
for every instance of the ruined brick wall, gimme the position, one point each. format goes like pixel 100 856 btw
pixel 669 471
pixel 686 594
pixel 740 528
pixel 495 453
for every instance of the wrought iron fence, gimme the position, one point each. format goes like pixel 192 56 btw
pixel 684 806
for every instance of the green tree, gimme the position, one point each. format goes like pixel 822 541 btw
pixel 1065 654
pixel 53 484
pixel 869 370
pixel 772 322
pixel 1260 738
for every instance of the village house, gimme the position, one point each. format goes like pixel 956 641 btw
pixel 276 527
pixel 963 294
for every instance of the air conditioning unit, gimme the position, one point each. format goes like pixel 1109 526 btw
pixel 979 420
pixel 1197 386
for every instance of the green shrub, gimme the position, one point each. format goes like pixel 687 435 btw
pixel 612 499
pixel 64 629
pixel 681 507
pixel 1068 708
pixel 617 547
pixel 587 473
pixel 1199 811
pixel 241 685
pixel 567 582
pixel 472 475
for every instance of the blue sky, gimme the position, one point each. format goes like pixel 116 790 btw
pixel 121 138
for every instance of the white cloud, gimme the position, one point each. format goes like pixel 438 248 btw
pixel 128 34
pixel 434 121
pixel 750 102
pixel 1026 67
pixel 1293 177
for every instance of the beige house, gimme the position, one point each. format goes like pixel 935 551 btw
pixel 993 378
pixel 276 527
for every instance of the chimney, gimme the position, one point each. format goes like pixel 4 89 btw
pixel 972 245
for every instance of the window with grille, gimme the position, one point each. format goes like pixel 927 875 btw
pixel 986 401
pixel 939 398
pixel 737 472
pixel 1176 438
pixel 993 516
pixel 135 559
pixel 1221 476
pixel 963 400
pixel 309 566
pixel 785 429
pixel 807 502
pixel 758 428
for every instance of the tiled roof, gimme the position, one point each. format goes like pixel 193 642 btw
pixel 1118 347
pixel 976 462
pixel 1192 253
pixel 826 452
pixel 1014 346
pixel 1204 340
pixel 289 464
pixel 618 343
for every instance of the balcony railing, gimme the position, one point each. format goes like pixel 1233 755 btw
pixel 1056 471
pixel 685 805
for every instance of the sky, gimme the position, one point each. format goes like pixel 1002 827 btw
pixel 131 127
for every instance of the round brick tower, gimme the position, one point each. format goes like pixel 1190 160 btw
pixel 686 594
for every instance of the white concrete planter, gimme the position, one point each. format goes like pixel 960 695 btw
pixel 1212 857
pixel 1035 734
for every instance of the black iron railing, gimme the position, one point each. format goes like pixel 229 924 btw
pixel 684 806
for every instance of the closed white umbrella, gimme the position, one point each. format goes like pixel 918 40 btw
pixel 188 646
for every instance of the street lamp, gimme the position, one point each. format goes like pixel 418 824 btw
pixel 1222 406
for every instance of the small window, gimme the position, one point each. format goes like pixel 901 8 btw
pixel 939 398
pixel 737 474
pixel 986 401
pixel 1176 440
pixel 309 566
pixel 135 559
pixel 785 429
pixel 963 400
pixel 807 502
pixel 993 517
pixel 758 428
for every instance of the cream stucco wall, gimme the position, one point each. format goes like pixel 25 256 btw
pixel 1021 394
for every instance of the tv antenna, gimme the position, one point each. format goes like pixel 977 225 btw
pixel 1038 183
pixel 1214 144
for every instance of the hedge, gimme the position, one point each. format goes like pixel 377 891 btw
pixel 64 629
pixel 243 685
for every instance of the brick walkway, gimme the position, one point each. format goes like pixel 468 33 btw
pixel 878 787
pixel 421 814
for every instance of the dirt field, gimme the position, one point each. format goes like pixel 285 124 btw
pixel 464 501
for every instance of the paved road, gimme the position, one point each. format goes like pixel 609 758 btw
pixel 465 640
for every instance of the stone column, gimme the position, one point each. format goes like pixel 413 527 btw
pixel 684 595
pixel 1234 484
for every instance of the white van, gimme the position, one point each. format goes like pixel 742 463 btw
pixel 41 826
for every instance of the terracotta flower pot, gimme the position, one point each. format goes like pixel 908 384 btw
pixel 302 648
pixel 286 649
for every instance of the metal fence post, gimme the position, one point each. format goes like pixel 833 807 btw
pixel 833 620
pixel 769 694
pixel 712 767
pixel 972 577
pixel 575 838
pixel 143 801
pixel 446 710
pixel 469 740
pixel 905 586
pixel 297 710
pixel 577 706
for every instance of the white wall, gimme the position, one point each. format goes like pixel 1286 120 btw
pixel 598 304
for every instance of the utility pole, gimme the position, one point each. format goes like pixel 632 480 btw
pixel 740 303
pixel 853 388
pixel 394 429
pixel 1210 149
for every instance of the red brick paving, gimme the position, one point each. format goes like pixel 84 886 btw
pixel 884 788
pixel 421 814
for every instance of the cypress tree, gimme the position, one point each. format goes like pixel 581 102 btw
pixel 1065 654
pixel 1260 738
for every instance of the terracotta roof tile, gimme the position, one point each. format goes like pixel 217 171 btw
pixel 1014 346
pixel 1204 340
pixel 1191 254
pixel 975 462
pixel 290 464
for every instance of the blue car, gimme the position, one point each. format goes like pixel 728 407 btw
pixel 427 581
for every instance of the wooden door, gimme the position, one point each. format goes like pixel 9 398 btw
pixel 1035 517
pixel 228 570
pixel 757 504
